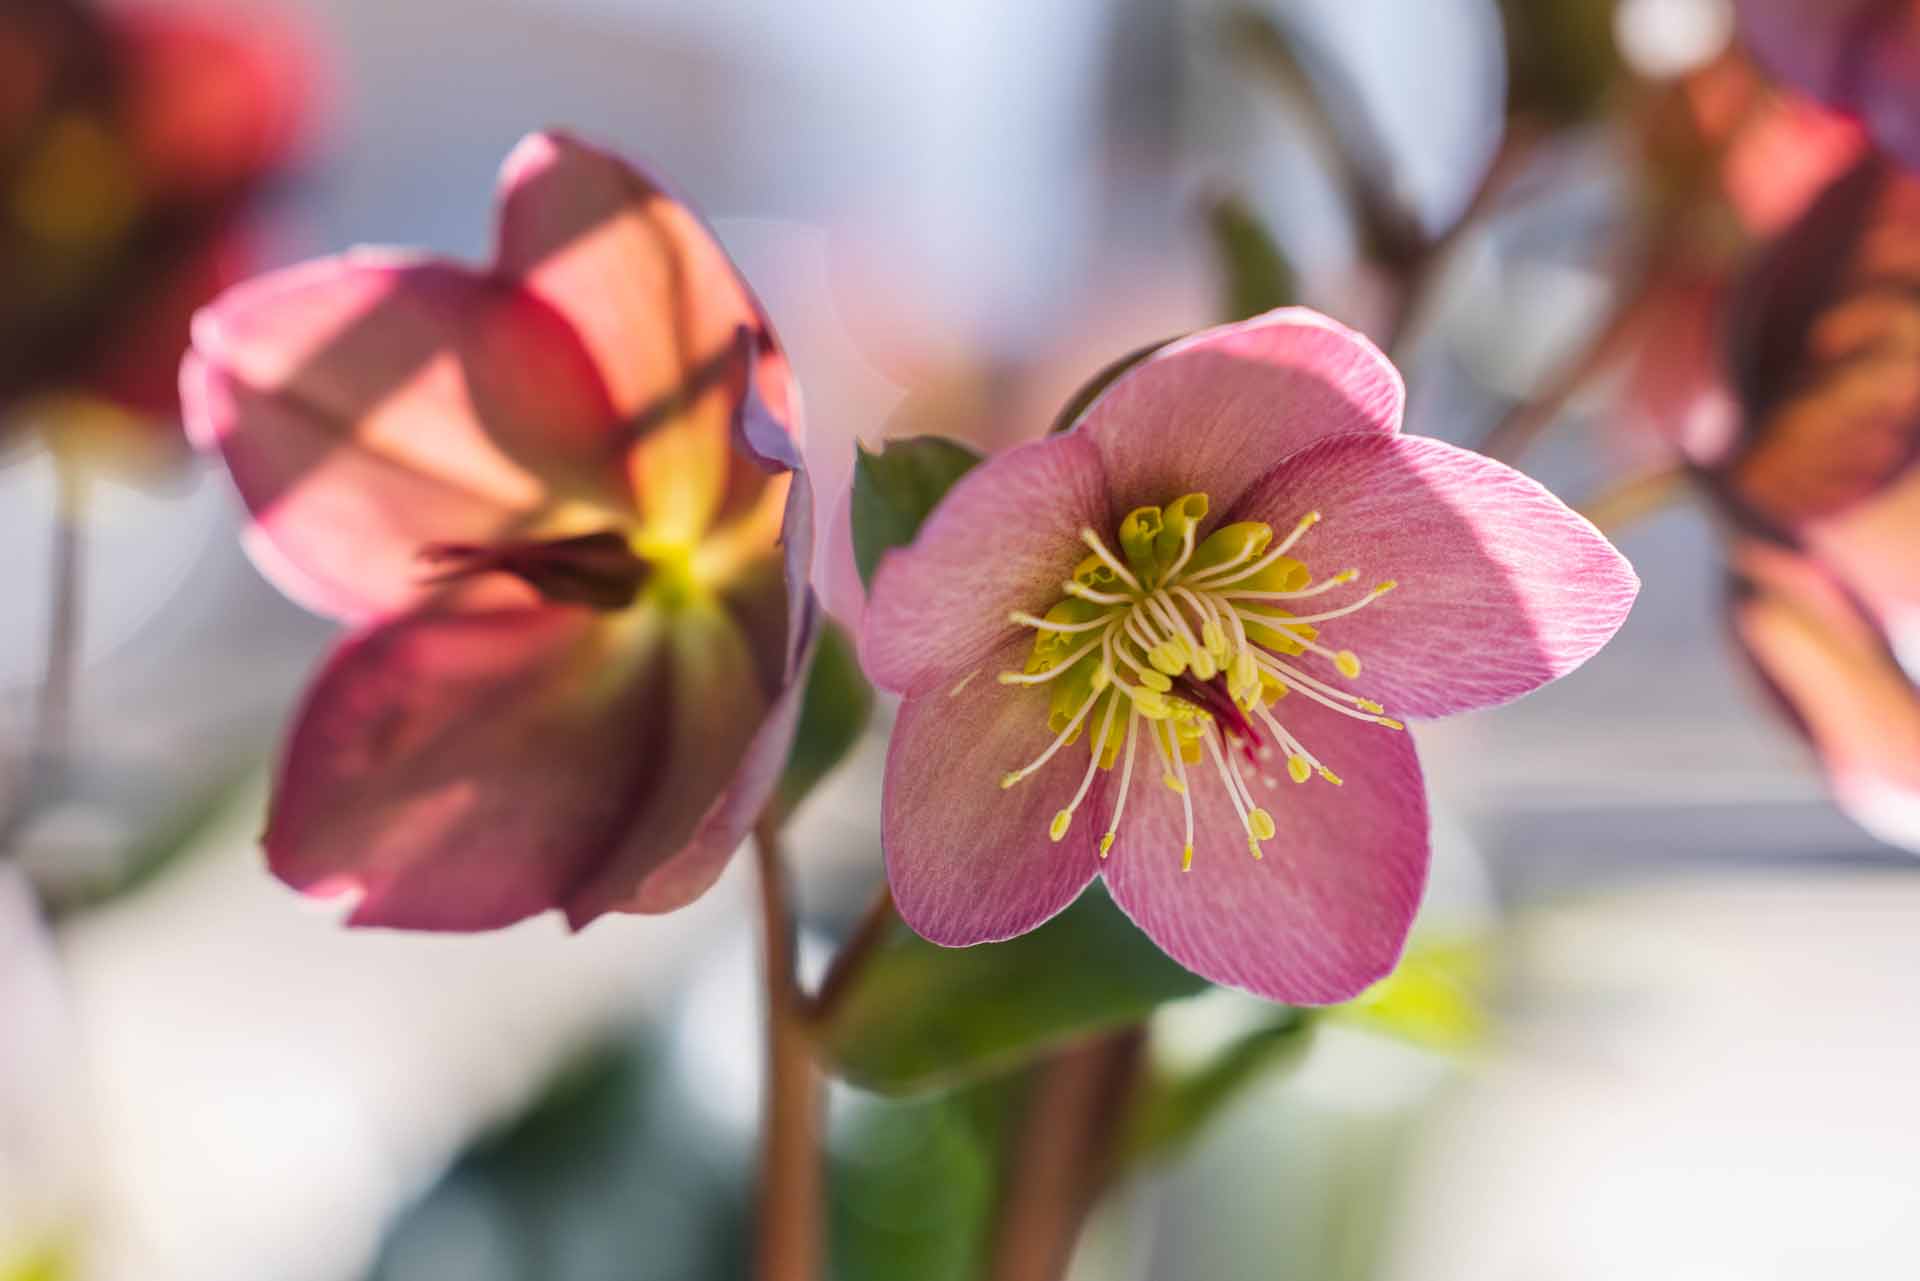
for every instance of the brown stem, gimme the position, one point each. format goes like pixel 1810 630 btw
pixel 1061 1157
pixel 1527 421
pixel 847 962
pixel 1634 499
pixel 788 1230
pixel 1422 275
pixel 44 762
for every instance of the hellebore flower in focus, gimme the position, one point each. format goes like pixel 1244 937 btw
pixel 1831 671
pixel 131 141
pixel 1859 56
pixel 561 499
pixel 1127 650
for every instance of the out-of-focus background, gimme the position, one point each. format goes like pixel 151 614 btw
pixel 1699 976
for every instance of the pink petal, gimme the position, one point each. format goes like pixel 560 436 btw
pixel 657 302
pixel 726 727
pixel 1806 42
pixel 1004 538
pixel 1836 678
pixel 1212 413
pixel 970 862
pixel 1502 587
pixel 1326 911
pixel 1870 547
pixel 465 771
pixel 369 404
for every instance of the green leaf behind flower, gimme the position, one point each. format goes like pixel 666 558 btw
pixel 921 1017
pixel 895 488
pixel 1171 1109
pixel 1078 403
pixel 1255 274
pixel 833 714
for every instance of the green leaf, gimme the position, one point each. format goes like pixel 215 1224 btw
pixel 921 1017
pixel 894 489
pixel 1078 403
pixel 1170 1110
pixel 1436 997
pixel 914 1184
pixel 1256 274
pixel 1562 62
pixel 833 714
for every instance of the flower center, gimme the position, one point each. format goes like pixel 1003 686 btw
pixel 1190 643
pixel 599 570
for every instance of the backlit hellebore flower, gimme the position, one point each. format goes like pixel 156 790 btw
pixel 1824 336
pixel 560 499
pixel 1833 674
pixel 1170 647
pixel 131 141
pixel 1860 56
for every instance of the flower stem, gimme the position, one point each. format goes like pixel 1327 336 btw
pixel 44 762
pixel 1061 1155
pixel 847 962
pixel 788 1230
pixel 1634 499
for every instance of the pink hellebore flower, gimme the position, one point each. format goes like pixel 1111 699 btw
pixel 552 495
pixel 1820 652
pixel 1860 56
pixel 1174 584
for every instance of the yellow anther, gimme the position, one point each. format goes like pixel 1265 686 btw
pixel 1330 776
pixel 1368 705
pixel 1348 662
pixel 1173 784
pixel 1157 681
pixel 1204 668
pixel 1383 588
pixel 1346 576
pixel 1106 843
pixel 1389 722
pixel 1243 673
pixel 1298 769
pixel 1214 637
pixel 1261 824
pixel 1186 859
pixel 1009 778
pixel 1308 521
pixel 1151 705
pixel 1167 658
pixel 1061 822
pixel 1010 678
pixel 1102 677
pixel 1253 847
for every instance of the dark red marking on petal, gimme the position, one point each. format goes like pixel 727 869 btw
pixel 598 570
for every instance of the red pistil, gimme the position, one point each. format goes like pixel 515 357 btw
pixel 1211 696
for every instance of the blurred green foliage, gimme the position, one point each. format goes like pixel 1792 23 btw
pixel 1171 1109
pixel 1561 58
pixel 919 1017
pixel 833 714
pixel 1255 272
pixel 895 488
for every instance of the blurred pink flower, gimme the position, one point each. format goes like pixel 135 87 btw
pixel 1834 676
pixel 1141 582
pixel 553 494
pixel 1825 365
pixel 133 139
pixel 1860 56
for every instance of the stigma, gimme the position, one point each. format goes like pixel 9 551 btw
pixel 1189 644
